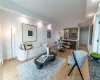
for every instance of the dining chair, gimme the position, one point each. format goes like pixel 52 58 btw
pixel 78 59
pixel 59 46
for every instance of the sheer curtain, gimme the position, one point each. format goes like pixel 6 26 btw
pixel 1 59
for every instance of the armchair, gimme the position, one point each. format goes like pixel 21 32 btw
pixel 78 60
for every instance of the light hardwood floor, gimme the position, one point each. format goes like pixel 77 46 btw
pixel 0 72
pixel 10 69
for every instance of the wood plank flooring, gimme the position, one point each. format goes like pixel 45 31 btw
pixel 0 72
pixel 10 69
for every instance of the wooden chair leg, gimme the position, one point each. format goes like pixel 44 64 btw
pixel 71 69
pixel 80 72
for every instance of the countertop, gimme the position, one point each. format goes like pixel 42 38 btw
pixel 70 40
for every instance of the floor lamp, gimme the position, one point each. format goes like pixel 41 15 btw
pixel 12 33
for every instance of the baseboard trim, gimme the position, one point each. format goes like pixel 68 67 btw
pixel 10 59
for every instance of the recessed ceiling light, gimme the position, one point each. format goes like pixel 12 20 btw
pixel 40 24
pixel 23 20
pixel 99 5
pixel 49 27
pixel 90 15
pixel 95 0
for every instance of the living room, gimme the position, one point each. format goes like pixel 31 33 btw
pixel 38 42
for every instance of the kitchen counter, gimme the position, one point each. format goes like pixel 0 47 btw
pixel 73 43
pixel 69 40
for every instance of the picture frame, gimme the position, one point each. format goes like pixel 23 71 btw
pixel 91 34
pixel 48 33
pixel 29 33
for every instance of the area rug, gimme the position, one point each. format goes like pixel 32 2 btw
pixel 28 70
pixel 94 69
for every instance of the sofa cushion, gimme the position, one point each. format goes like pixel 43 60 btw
pixel 36 52
pixel 44 44
pixel 38 45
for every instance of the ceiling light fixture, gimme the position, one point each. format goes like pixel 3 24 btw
pixel 90 15
pixel 94 0
pixel 40 24
pixel 23 20
pixel 49 27
pixel 99 5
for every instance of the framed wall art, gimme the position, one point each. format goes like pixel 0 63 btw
pixel 29 33
pixel 48 33
pixel 91 34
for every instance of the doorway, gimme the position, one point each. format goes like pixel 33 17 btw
pixel 84 34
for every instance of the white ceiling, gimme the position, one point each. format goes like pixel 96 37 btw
pixel 91 9
pixel 92 6
pixel 56 11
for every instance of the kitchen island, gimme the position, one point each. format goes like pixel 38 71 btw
pixel 73 44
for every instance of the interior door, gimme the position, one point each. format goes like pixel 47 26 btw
pixel 84 32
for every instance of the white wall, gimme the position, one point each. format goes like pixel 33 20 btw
pixel 99 31
pixel 84 36
pixel 93 47
pixel 96 32
pixel 16 20
pixel 11 6
pixel 67 25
